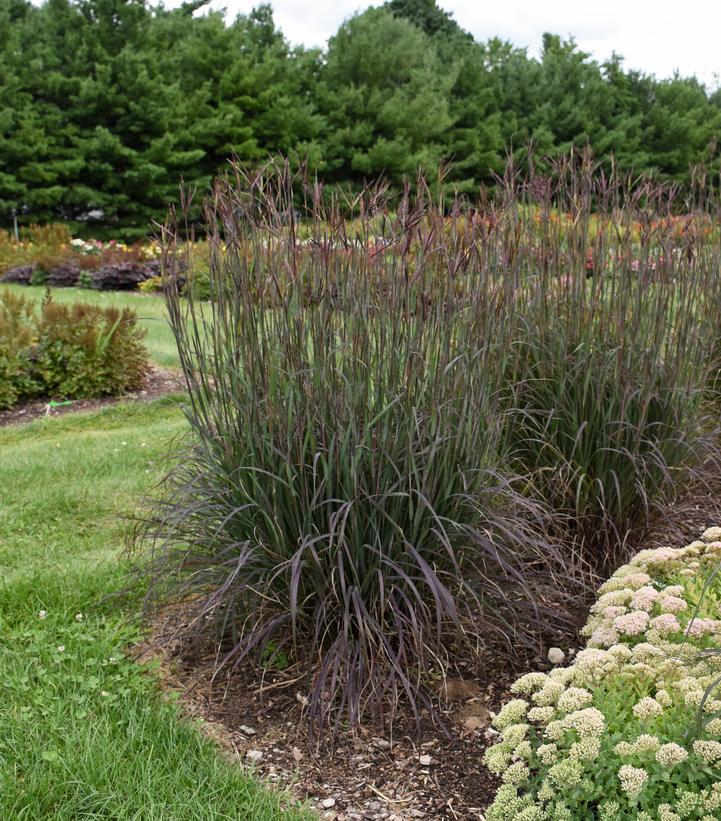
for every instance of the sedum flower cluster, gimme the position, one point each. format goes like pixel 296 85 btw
pixel 632 730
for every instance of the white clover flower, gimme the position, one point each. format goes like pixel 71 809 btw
pixel 555 729
pixel 645 652
pixel 659 556
pixel 61 648
pixel 574 699
pixel 613 598
pixel 670 754
pixel 566 773
pixel 549 694
pixel 663 697
pixel 587 749
pixel 620 652
pixel 646 743
pixel 532 813
pixel 625 579
pixel 515 733
pixel 609 810
pixel 506 804
pixel 709 751
pixel 603 636
pixel 522 751
pixel 497 758
pixel 79 617
pixel 647 708
pixel 562 675
pixel 546 791
pixel 702 627
pixel 633 779
pixel 688 802
pixel 693 698
pixel 712 798
pixel 592 660
pixel 42 614
pixel 613 612
pixel 712 534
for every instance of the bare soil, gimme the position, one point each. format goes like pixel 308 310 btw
pixel 157 383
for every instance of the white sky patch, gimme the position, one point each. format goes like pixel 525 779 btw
pixel 657 37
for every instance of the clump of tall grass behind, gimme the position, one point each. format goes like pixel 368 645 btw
pixel 339 504
pixel 608 381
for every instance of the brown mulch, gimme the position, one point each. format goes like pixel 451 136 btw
pixel 379 772
pixel 157 383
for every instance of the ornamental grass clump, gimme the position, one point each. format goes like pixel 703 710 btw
pixel 606 400
pixel 633 729
pixel 338 509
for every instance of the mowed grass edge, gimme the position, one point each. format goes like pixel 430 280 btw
pixel 84 731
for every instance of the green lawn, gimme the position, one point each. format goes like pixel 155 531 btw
pixel 84 733
pixel 149 308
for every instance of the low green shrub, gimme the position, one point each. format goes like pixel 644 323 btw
pixel 632 730
pixel 67 351
pixel 16 338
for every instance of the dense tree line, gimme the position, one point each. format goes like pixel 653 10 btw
pixel 105 104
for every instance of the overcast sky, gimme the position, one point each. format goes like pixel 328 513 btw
pixel 657 36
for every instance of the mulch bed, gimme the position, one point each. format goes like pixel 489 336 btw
pixel 157 383
pixel 394 774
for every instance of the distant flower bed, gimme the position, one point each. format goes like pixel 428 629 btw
pixel 67 351
pixel 49 255
pixel 632 730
